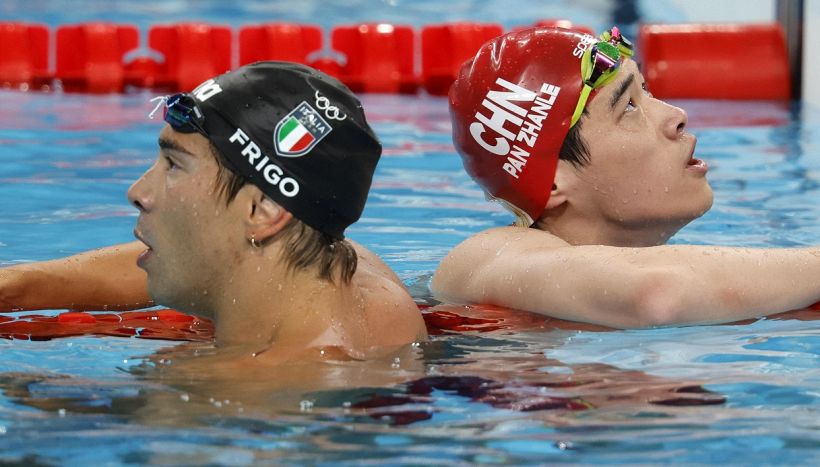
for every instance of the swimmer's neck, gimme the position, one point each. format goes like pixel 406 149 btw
pixel 586 230
pixel 266 304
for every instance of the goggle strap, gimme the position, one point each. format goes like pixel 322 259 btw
pixel 586 65
pixel 160 102
pixel 579 109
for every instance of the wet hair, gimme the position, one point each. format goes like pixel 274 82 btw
pixel 573 150
pixel 304 246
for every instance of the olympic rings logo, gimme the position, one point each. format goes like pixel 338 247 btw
pixel 331 111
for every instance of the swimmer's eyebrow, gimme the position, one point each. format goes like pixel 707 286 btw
pixel 168 145
pixel 621 90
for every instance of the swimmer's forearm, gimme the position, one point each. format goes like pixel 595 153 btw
pixel 104 279
pixel 696 284
pixel 720 284
pixel 639 287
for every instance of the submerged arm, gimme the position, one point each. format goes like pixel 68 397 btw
pixel 629 287
pixel 104 279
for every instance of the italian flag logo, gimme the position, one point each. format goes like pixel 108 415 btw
pixel 299 131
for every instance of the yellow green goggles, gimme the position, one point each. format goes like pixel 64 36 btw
pixel 599 65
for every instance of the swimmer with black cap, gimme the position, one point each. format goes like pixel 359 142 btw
pixel 242 220
pixel 560 129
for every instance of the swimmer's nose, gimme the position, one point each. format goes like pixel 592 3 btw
pixel 676 122
pixel 138 195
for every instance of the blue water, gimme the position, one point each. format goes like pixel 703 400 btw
pixel 66 161
pixel 734 394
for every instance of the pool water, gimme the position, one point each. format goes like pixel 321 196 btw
pixel 499 387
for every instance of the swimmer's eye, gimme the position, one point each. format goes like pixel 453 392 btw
pixel 630 106
pixel 170 162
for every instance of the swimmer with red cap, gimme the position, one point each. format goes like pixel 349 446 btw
pixel 242 220
pixel 559 128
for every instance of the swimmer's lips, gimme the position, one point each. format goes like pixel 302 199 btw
pixel 693 163
pixel 143 257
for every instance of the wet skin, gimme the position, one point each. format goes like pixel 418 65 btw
pixel 597 253
pixel 199 260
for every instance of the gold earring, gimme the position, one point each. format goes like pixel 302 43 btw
pixel 253 242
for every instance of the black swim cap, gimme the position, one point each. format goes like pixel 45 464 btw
pixel 297 134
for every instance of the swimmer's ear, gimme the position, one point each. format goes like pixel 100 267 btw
pixel 558 195
pixel 265 217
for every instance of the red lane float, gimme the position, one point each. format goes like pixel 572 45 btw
pixel 193 53
pixel 90 56
pixel 173 325
pixel 286 42
pixel 24 55
pixel 161 324
pixel 380 57
pixel 715 61
pixel 445 47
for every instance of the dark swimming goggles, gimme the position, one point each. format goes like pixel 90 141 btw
pixel 599 65
pixel 182 113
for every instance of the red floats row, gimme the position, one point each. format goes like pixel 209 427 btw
pixel 716 61
pixel 96 57
pixel 680 61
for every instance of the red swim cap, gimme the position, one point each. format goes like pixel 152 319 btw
pixel 511 108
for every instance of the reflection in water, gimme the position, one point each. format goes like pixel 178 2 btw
pixel 489 359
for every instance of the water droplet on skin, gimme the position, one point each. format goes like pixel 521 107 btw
pixel 666 189
pixel 396 363
pixel 184 397
pixel 258 268
pixel 306 405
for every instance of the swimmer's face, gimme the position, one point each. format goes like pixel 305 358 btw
pixel 189 229
pixel 641 169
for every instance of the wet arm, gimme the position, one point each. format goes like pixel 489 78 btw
pixel 104 279
pixel 636 287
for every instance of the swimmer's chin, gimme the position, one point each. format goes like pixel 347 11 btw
pixel 144 257
pixel 191 305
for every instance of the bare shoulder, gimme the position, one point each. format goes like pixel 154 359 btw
pixel 484 248
pixel 393 317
